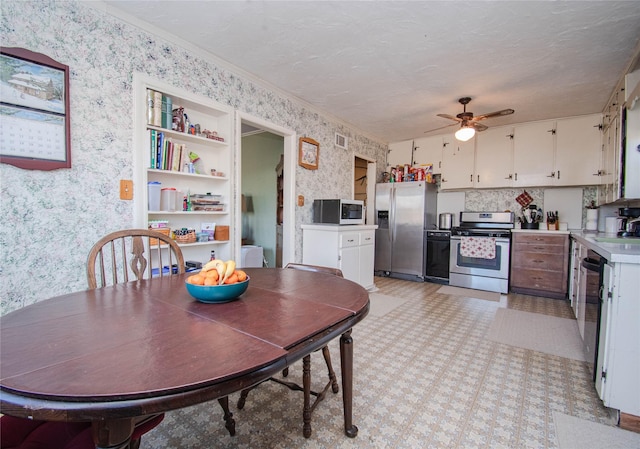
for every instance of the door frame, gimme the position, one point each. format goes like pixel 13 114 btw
pixel 372 173
pixel 288 216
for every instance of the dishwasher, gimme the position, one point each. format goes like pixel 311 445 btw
pixel 436 256
pixel 589 309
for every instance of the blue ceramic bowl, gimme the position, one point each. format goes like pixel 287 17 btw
pixel 217 293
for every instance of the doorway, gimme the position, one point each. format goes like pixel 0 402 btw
pixel 263 151
pixel 364 184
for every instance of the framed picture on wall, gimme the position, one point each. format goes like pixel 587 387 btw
pixel 34 111
pixel 308 153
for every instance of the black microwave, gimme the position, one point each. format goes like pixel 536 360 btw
pixel 341 212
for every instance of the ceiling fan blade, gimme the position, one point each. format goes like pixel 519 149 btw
pixel 478 126
pixel 450 117
pixel 442 127
pixel 493 114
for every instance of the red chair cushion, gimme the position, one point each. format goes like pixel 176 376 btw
pixel 20 433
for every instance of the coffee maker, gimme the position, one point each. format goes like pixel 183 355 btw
pixel 630 226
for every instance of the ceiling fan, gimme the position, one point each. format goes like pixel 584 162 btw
pixel 469 122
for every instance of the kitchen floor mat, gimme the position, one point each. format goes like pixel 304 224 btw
pixel 576 433
pixel 469 293
pixel 380 305
pixel 538 332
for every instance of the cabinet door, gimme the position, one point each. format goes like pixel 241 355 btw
pixel 611 153
pixel 578 151
pixel 349 263
pixel 367 256
pixel 605 329
pixel 494 158
pixel 457 163
pixel 399 153
pixel 428 150
pixel 533 154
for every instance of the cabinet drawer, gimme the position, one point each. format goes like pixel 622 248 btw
pixel 540 239
pixel 348 239
pixel 531 248
pixel 538 279
pixel 367 237
pixel 539 261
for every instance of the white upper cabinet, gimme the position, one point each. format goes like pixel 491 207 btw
pixel 578 151
pixel 428 150
pixel 564 152
pixel 533 148
pixel 494 158
pixel 611 151
pixel 457 163
pixel 399 153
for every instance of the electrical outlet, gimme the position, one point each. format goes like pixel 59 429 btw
pixel 126 189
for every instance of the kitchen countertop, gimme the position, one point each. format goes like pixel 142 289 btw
pixel 613 252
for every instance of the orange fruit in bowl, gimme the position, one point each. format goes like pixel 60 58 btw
pixel 241 275
pixel 212 274
pixel 233 279
pixel 209 280
pixel 196 279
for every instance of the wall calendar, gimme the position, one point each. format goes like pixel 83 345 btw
pixel 34 111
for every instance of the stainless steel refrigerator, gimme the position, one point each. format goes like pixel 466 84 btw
pixel 404 212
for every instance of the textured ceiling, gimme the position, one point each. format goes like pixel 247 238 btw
pixel 389 67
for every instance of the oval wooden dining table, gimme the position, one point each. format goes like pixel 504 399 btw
pixel 115 354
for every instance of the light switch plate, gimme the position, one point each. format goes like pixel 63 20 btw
pixel 126 189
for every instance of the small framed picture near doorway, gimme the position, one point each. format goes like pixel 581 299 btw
pixel 308 153
pixel 34 111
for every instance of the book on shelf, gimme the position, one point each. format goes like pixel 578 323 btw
pixel 164 153
pixel 150 99
pixel 157 109
pixel 167 111
pixel 159 146
pixel 153 143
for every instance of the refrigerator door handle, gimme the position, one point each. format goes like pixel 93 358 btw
pixel 392 215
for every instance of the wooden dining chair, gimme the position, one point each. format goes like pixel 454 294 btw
pixel 120 256
pixel 308 407
pixel 132 254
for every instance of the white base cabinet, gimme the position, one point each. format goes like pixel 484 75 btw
pixel 618 362
pixel 348 248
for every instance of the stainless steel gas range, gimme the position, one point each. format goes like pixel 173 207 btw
pixel 480 251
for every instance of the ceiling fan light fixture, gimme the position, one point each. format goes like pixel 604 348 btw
pixel 465 133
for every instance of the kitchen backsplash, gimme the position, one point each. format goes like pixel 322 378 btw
pixel 505 199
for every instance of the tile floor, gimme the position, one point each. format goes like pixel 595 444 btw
pixel 425 376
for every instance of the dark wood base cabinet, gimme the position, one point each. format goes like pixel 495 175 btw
pixel 539 264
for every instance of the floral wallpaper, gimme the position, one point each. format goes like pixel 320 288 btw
pixel 51 219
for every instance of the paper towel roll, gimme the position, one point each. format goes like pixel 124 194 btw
pixel 592 219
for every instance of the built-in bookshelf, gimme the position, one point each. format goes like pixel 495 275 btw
pixel 183 141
